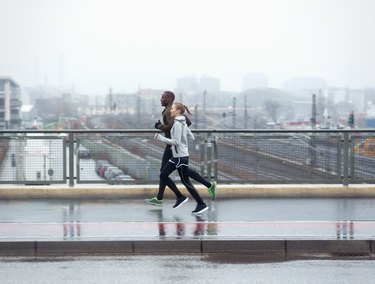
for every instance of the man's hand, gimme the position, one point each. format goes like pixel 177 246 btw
pixel 156 136
pixel 158 124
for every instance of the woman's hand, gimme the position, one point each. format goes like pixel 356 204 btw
pixel 156 135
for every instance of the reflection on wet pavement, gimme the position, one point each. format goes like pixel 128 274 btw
pixel 71 223
pixel 177 229
pixel 345 230
pixel 342 219
pixel 219 269
pixel 200 229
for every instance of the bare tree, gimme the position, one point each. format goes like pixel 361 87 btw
pixel 272 108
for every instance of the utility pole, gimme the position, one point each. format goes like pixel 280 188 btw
pixel 313 112
pixel 196 117
pixel 110 99
pixel 351 120
pixel 139 106
pixel 204 101
pixel 234 113
pixel 245 114
pixel 7 95
pixel 312 142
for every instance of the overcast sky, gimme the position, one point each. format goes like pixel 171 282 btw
pixel 150 43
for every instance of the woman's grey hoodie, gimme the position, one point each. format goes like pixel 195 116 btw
pixel 180 133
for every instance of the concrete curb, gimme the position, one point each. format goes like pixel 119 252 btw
pixel 279 248
pixel 223 191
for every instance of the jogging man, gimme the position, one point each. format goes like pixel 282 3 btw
pixel 166 101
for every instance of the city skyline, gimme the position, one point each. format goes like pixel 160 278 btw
pixel 124 45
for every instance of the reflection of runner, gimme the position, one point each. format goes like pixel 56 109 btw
pixel 199 229
pixel 345 230
pixel 162 232
pixel 180 228
pixel 161 225
pixel 212 229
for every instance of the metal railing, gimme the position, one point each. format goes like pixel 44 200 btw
pixel 230 156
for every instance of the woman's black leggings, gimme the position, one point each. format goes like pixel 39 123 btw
pixel 192 174
pixel 182 166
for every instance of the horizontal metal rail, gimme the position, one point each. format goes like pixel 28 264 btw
pixel 132 156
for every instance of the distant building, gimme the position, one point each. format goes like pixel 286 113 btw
pixel 305 86
pixel 353 97
pixel 10 104
pixel 190 84
pixel 29 117
pixel 47 92
pixel 254 81
pixel 209 84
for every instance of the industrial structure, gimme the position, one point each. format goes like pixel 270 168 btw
pixel 10 104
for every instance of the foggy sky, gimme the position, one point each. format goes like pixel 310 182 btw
pixel 98 44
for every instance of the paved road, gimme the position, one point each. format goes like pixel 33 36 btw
pixel 182 269
pixel 77 220
pixel 236 209
pixel 299 218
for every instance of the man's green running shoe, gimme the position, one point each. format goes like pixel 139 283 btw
pixel 154 201
pixel 212 189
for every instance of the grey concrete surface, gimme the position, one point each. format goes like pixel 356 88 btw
pixel 253 226
pixel 183 269
pixel 97 191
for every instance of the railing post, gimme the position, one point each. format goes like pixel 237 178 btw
pixel 215 155
pixel 351 157
pixel 209 155
pixel 339 148
pixel 71 159
pixel 202 147
pixel 346 159
pixel 312 151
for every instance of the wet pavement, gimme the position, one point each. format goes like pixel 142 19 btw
pixel 239 240
pixel 235 219
pixel 181 269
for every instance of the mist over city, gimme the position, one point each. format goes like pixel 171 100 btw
pixel 237 64
pixel 189 141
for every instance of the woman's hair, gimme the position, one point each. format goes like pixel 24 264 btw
pixel 182 108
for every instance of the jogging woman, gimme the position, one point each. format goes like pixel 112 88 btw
pixel 180 133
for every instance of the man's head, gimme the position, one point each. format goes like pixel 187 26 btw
pixel 167 98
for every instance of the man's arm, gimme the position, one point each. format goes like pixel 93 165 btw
pixel 168 121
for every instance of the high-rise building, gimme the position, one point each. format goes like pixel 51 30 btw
pixel 254 81
pixel 190 84
pixel 10 104
pixel 209 84
pixel 305 85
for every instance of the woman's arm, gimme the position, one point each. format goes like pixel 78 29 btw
pixel 176 133
pixel 190 135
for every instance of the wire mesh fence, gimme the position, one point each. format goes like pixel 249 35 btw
pixel 237 156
